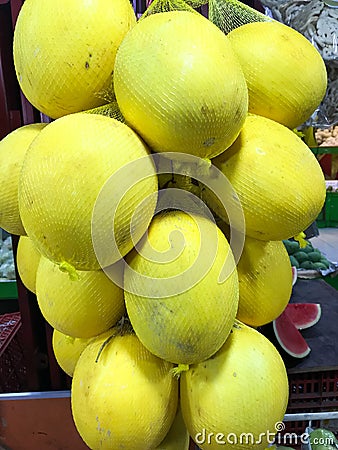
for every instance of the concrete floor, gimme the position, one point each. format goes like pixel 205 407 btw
pixel 327 243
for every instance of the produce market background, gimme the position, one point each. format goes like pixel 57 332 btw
pixel 327 243
pixel 38 370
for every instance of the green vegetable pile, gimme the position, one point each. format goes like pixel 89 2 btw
pixel 309 258
pixel 322 439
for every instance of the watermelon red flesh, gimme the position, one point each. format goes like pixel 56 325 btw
pixel 304 315
pixel 289 338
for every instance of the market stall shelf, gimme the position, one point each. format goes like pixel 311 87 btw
pixel 13 367
pixel 313 381
pixel 43 419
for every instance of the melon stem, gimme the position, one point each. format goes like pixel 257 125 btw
pixel 106 342
pixel 176 371
pixel 68 268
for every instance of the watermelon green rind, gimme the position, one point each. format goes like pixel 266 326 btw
pixel 308 265
pixel 325 261
pixel 291 246
pixel 289 338
pixel 314 256
pixel 304 315
pixel 319 265
pixel 294 262
pixel 308 248
pixel 300 256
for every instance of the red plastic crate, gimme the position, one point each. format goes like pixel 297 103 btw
pixel 12 365
pixel 310 392
pixel 313 391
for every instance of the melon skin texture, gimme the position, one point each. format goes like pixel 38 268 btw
pixel 67 350
pixel 285 74
pixel 64 52
pixel 183 327
pixel 62 176
pixel 13 148
pixel 84 307
pixel 265 281
pixel 178 437
pixel 123 398
pixel 279 182
pixel 289 337
pixel 27 260
pixel 192 96
pixel 215 397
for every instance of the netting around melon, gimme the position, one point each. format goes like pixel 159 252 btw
pixel 231 14
pixel 225 14
pixel 111 109
pixel 160 6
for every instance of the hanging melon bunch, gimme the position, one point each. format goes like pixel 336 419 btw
pixel 76 158
pixel 265 281
pixel 13 148
pixel 27 260
pixel 178 436
pixel 164 284
pixel 179 84
pixel 285 73
pixel 218 408
pixel 273 173
pixel 64 52
pixel 67 304
pixel 67 350
pixel 122 395
pixel 141 281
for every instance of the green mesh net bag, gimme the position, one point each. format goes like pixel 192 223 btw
pixel 111 109
pixel 159 6
pixel 231 14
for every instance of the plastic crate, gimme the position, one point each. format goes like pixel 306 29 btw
pixel 311 392
pixel 328 217
pixel 12 365
pixel 8 290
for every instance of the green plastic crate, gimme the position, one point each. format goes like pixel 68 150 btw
pixel 8 290
pixel 328 218
pixel 332 281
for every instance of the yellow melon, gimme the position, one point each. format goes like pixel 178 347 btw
pixel 265 281
pixel 27 260
pixel 122 395
pixel 285 73
pixel 178 437
pixel 278 180
pixel 78 181
pixel 181 288
pixel 67 350
pixel 236 397
pixel 179 85
pixel 64 52
pixel 13 148
pixel 84 307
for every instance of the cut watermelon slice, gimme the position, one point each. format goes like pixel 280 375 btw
pixel 289 338
pixel 294 275
pixel 304 315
